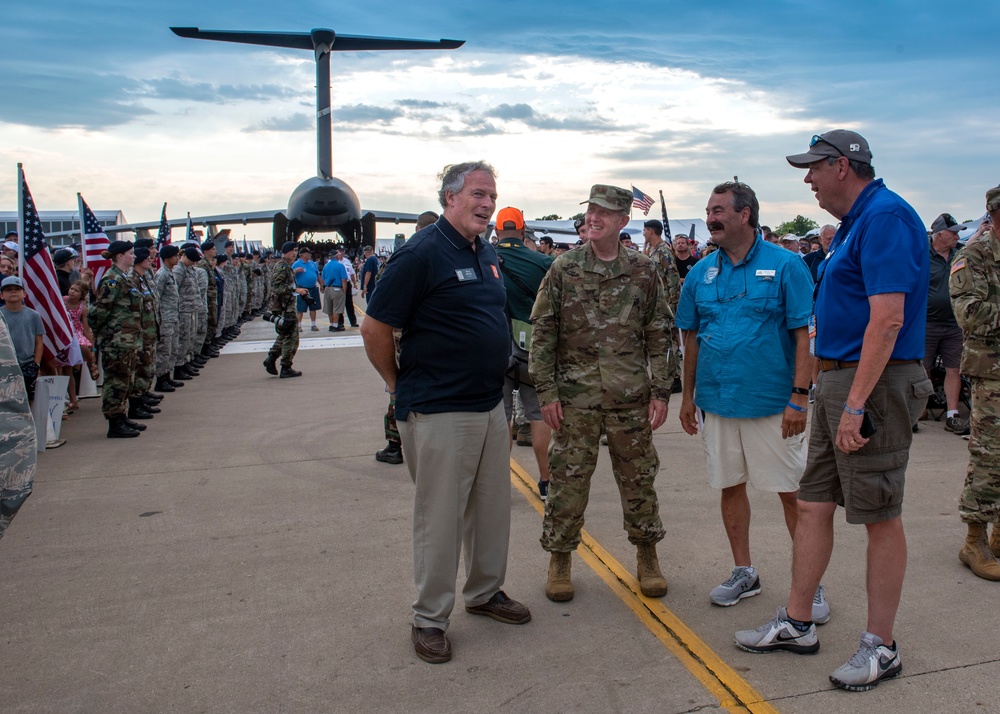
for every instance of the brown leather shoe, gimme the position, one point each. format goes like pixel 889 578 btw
pixel 431 644
pixel 502 609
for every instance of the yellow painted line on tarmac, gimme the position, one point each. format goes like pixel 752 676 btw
pixel 733 692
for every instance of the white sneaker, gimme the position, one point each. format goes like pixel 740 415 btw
pixel 778 634
pixel 872 663
pixel 742 583
pixel 821 608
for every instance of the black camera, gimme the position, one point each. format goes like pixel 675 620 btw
pixel 309 301
pixel 282 325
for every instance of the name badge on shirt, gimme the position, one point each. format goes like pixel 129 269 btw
pixel 765 274
pixel 465 274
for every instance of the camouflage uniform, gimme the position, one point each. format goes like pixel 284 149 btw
pixel 18 450
pixel 666 266
pixel 168 300
pixel 188 301
pixel 201 310
pixel 599 332
pixel 145 368
pixel 975 298
pixel 211 305
pixel 243 293
pixel 115 318
pixel 283 303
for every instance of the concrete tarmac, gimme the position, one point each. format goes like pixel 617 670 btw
pixel 248 554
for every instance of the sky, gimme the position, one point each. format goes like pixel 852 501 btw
pixel 100 97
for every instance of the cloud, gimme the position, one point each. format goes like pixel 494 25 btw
pixel 293 122
pixel 364 114
pixel 527 115
pixel 182 89
pixel 68 99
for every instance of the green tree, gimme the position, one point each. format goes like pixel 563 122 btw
pixel 550 217
pixel 579 215
pixel 800 225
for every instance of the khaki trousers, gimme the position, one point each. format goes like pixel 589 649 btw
pixel 460 465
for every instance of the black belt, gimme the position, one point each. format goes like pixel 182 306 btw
pixel 825 365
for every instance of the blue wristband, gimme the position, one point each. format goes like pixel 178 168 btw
pixel 796 408
pixel 853 412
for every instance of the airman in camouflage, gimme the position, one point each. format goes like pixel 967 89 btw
pixel 975 299
pixel 18 451
pixel 207 265
pixel 283 291
pixel 602 353
pixel 115 318
pixel 663 258
pixel 142 275
pixel 169 301
pixel 190 306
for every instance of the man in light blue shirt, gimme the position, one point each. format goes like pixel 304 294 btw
pixel 745 313
pixel 334 277
pixel 306 276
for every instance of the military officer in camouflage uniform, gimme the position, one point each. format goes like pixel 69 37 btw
pixel 115 318
pixel 602 353
pixel 18 451
pixel 207 265
pixel 975 299
pixel 142 404
pixel 168 299
pixel 663 258
pixel 283 291
pixel 190 302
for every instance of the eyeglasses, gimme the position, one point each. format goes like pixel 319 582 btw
pixel 817 139
pixel 718 296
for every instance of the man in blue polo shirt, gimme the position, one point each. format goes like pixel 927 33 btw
pixel 334 278
pixel 444 289
pixel 871 303
pixel 306 276
pixel 745 313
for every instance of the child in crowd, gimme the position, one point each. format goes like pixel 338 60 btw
pixel 77 310
pixel 26 330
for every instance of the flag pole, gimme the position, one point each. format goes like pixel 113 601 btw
pixel 83 230
pixel 20 220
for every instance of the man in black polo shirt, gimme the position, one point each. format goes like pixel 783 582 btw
pixel 444 289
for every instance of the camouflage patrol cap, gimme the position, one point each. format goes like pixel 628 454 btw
pixel 993 199
pixel 610 197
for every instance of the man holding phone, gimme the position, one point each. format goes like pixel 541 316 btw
pixel 871 301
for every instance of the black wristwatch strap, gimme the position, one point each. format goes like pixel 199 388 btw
pixel 800 390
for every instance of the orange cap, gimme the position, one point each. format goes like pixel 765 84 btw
pixel 510 215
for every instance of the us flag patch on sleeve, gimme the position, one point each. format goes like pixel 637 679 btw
pixel 959 264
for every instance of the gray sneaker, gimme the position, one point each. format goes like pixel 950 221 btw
pixel 742 583
pixel 778 634
pixel 872 663
pixel 821 608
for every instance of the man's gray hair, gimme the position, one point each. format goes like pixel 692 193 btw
pixel 865 172
pixel 453 177
pixel 743 197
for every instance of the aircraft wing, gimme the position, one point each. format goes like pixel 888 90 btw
pixel 304 40
pixel 224 219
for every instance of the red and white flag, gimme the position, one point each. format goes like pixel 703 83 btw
pixel 95 241
pixel 39 276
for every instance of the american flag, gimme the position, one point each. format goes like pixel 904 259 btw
pixel 39 275
pixel 163 237
pixel 641 201
pixel 95 241
pixel 191 235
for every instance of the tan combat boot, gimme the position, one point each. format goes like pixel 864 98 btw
pixel 559 587
pixel 995 540
pixel 977 555
pixel 651 580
